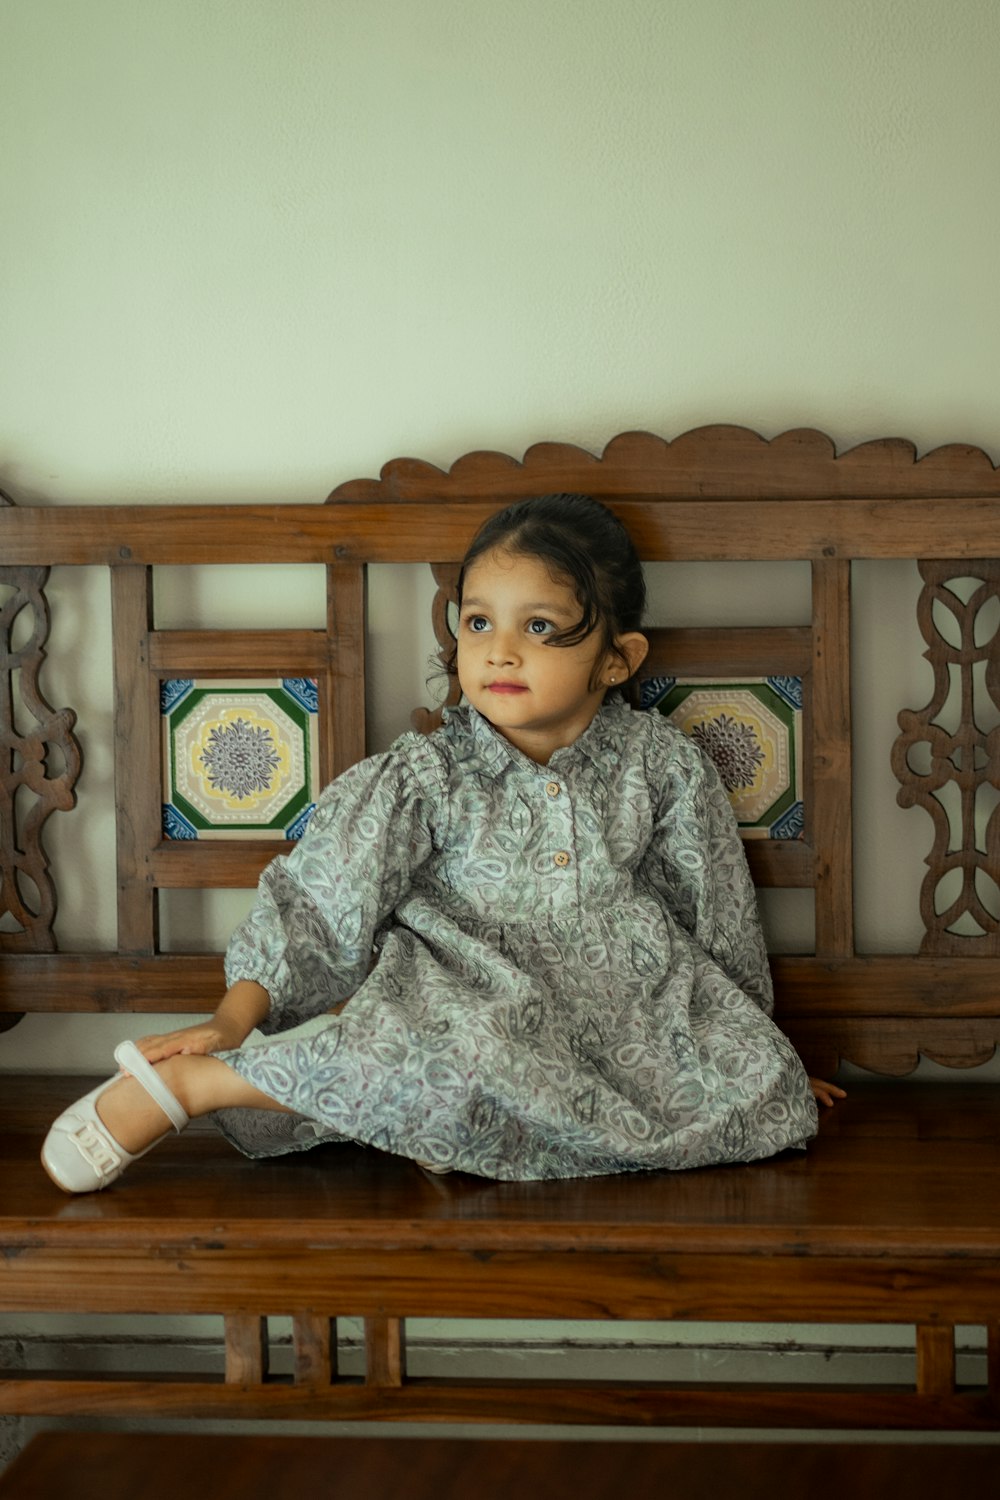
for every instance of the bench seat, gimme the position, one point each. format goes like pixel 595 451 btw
pixel 892 1215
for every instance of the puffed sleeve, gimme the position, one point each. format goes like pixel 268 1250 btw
pixel 309 936
pixel 696 865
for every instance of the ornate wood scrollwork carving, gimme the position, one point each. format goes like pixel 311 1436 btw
pixel 965 758
pixel 446 578
pixel 34 737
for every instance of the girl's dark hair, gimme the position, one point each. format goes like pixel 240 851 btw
pixel 582 542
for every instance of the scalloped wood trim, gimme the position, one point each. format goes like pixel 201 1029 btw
pixel 892 1046
pixel 718 460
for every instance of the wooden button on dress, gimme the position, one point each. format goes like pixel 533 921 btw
pixel 561 859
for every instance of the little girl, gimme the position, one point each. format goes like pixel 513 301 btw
pixel 524 946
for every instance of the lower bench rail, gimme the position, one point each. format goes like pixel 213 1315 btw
pixel 316 1391
pixel 578 1403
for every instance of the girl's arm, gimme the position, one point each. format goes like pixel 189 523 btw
pixel 244 1005
pixel 308 939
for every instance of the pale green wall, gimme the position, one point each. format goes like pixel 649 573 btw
pixel 252 248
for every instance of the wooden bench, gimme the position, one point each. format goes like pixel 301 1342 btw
pixel 892 1216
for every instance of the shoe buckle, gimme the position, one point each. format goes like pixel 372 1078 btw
pixel 97 1149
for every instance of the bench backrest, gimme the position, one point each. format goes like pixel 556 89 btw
pixel 773 703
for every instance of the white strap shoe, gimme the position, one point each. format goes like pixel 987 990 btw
pixel 80 1154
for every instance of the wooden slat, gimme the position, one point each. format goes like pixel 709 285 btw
pixel 223 864
pixel 751 650
pixel 881 987
pixel 346 627
pixel 314 1345
pixel 788 863
pixel 423 531
pixel 887 984
pixel 138 796
pixel 935 1360
pixel 252 653
pixel 851 1283
pixel 246 1349
pixel 575 1403
pixel 688 530
pixel 112 982
pixel 828 746
pixel 237 863
pixel 385 1351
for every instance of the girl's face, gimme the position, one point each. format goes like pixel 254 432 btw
pixel 540 697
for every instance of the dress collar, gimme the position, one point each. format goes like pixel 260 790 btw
pixel 601 742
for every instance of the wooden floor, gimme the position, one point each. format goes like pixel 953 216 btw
pixel 82 1466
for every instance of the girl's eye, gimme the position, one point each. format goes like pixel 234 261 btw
pixel 540 627
pixel 477 623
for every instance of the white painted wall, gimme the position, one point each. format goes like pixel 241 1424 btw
pixel 253 249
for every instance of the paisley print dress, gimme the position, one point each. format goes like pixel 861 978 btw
pixel 550 971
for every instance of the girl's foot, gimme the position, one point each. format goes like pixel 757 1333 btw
pixel 80 1152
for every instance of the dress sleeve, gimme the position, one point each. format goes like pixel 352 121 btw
pixel 696 865
pixel 308 939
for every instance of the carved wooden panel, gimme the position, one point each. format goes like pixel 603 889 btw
pixel 39 763
pixel 948 757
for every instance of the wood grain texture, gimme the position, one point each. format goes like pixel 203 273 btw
pixel 829 749
pixel 935 1360
pixel 575 1404
pixel 385 1351
pixel 664 530
pixel 250 653
pixel 76 1466
pixel 314 1346
pixel 345 742
pixel 138 797
pixel 247 1354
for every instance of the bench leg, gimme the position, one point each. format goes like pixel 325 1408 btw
pixel 993 1361
pixel 246 1350
pixel 314 1342
pixel 385 1350
pixel 935 1360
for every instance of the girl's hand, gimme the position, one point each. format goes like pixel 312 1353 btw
pixel 209 1036
pixel 826 1093
pixel 244 1006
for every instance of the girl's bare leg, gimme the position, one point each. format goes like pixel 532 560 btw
pixel 201 1084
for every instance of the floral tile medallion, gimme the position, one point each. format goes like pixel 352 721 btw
pixel 240 758
pixel 752 730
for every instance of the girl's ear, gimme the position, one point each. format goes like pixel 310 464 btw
pixel 634 647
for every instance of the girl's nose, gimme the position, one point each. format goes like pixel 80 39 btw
pixel 502 651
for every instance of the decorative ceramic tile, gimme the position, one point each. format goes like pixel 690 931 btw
pixel 240 758
pixel 752 730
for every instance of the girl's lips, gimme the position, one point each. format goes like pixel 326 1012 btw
pixel 506 687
